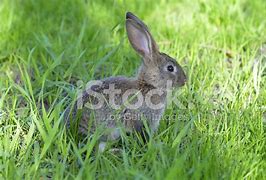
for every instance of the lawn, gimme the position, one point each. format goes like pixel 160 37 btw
pixel 50 48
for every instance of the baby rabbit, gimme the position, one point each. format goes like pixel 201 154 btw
pixel 128 102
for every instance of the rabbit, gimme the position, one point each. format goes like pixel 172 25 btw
pixel 156 70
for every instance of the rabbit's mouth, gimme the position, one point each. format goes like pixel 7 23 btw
pixel 182 79
pixel 181 82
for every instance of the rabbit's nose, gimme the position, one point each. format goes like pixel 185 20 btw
pixel 185 78
pixel 182 80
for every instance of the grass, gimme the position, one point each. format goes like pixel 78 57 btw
pixel 48 48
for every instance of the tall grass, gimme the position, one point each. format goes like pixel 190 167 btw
pixel 48 47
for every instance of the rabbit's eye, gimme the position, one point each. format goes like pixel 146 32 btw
pixel 170 68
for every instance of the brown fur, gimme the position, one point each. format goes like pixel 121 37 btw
pixel 153 74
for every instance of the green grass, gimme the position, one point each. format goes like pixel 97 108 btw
pixel 47 47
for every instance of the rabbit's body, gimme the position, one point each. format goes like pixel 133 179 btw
pixel 149 89
pixel 129 118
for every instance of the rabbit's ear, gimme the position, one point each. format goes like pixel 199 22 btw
pixel 140 37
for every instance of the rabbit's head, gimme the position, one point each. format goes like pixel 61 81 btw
pixel 157 68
